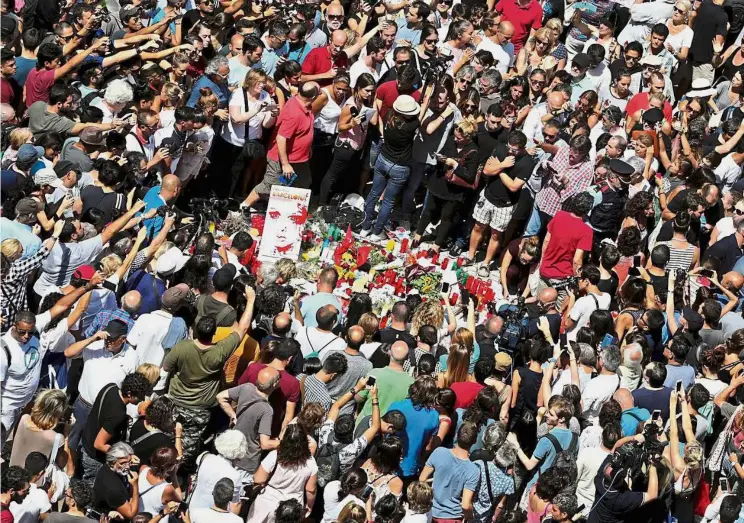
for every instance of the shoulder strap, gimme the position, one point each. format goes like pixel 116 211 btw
pixel 144 436
pixel 246 407
pixel 596 302
pixel 488 475
pixel 556 444
pixel 302 389
pixel 223 314
pixel 634 415
pixel 199 462
pixel 100 405
pixel 573 447
pixel 155 290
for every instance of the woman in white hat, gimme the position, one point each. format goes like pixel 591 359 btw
pixel 393 164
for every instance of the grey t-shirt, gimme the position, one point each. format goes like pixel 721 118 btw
pixel 42 121
pixel 254 418
pixel 359 367
pixel 73 154
pixel 64 517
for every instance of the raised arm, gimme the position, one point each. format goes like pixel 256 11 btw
pixel 245 320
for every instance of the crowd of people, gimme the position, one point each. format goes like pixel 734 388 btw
pixel 584 158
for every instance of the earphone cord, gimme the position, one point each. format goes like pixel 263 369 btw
pixel 607 490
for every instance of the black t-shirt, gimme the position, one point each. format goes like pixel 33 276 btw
pixel 554 321
pixel 727 250
pixel 398 144
pixel 614 504
pixel 113 419
pixel 391 335
pixel 111 490
pixel 609 285
pixel 667 232
pixel 145 446
pixel 716 20
pixel 111 204
pixel 496 191
pixel 189 20
pixel 488 140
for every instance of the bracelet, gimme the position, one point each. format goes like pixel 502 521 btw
pixel 375 403
pixel 353 391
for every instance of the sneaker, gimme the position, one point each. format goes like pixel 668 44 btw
pixel 455 251
pixel 376 238
pixel 365 233
pixel 484 271
pixel 466 261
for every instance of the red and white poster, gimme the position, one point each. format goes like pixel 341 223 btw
pixel 285 221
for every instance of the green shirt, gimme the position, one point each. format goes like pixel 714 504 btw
pixel 392 386
pixel 196 372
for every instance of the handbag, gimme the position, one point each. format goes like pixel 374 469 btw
pixel 454 179
pixel 251 148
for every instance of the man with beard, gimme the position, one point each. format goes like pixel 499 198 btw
pixel 141 138
pixel 14 486
pixel 116 486
pixel 610 197
pixel 107 422
pixel 322 64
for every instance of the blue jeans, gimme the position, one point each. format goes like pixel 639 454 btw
pixel 390 179
pixel 534 225
pixel 374 152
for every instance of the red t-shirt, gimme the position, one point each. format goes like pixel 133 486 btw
pixel 388 93
pixel 319 61
pixel 38 83
pixel 7 91
pixel 640 102
pixel 6 516
pixel 465 393
pixel 524 19
pixel 567 234
pixel 295 123
pixel 288 391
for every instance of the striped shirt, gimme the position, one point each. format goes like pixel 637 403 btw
pixel 679 258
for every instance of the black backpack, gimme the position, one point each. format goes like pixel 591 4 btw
pixel 561 454
pixel 329 465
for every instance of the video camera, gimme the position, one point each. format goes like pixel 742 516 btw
pixel 437 69
pixel 569 284
pixel 515 325
pixel 631 457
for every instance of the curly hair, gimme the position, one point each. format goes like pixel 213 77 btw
pixel 637 206
pixel 713 358
pixel 159 414
pixel 485 406
pixel 293 449
pixel 271 299
pixel 423 393
pixel 80 493
pixel 550 483
pixel 288 511
pixel 162 461
pixel 429 312
pixel 195 272
pixel 136 386
pixel 629 241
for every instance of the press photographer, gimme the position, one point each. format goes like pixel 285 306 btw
pixel 161 198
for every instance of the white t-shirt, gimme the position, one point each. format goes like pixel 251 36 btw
pixel 63 260
pixel 167 117
pixel 502 54
pixel 596 393
pixel 588 464
pixel 147 336
pixel 35 504
pixel 312 340
pixel 681 39
pixel 727 172
pixel 725 227
pixel 108 114
pixel 209 515
pixel 103 367
pixel 583 308
pixel 332 506
pixel 359 68
pixel 212 469
pixel 234 133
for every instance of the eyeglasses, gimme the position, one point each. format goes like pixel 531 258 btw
pixel 678 10
pixel 470 106
pixel 24 332
pixel 401 62
pixel 739 212
pixel 432 41
pixel 465 81
pixel 538 82
pixel 550 137
pixel 632 58
pixel 543 42
pixel 335 17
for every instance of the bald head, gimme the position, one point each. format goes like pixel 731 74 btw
pixel 549 295
pixel 506 31
pixel 267 380
pixel 170 187
pixel 335 9
pixel 494 324
pixel 131 302
pixel 236 44
pixel 7 113
pixel 338 41
pixel 281 324
pixel 624 398
pixel 355 337
pixel 398 352
pixel 556 100
pixel 733 281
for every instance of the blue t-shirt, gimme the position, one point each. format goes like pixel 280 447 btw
pixel 310 305
pixel 142 282
pixel 679 372
pixel 220 91
pixel 153 200
pixel 23 67
pixel 451 476
pixel 406 33
pixel 545 451
pixel 420 425
pixel 630 423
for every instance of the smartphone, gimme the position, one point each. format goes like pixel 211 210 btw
pixel 679 386
pixel 705 281
pixel 364 117
pixel 656 415
pixel 564 341
pixel 445 286
pixel 608 340
pixel 706 272
pixel 271 107
pixel 108 285
pixel 371 381
pixel 586 7
pixel 724 484
pixel 288 180
pixel 366 492
pixel 637 260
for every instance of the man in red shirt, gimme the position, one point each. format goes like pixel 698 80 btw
pixel 284 399
pixel 641 102
pixel 566 241
pixel 322 64
pixel 525 15
pixel 10 91
pixel 388 92
pixel 289 156
pixel 48 69
pixel 14 486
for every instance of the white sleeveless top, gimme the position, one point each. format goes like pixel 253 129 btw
pixel 151 496
pixel 327 119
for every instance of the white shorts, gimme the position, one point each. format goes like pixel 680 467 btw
pixel 486 213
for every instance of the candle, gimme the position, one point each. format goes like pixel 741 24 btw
pixel 390 246
pixel 445 262
pixel 404 246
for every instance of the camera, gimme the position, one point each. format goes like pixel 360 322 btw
pixel 102 13
pixel 629 459
pixel 569 284
pixel 515 325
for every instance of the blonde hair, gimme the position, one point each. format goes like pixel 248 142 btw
pixel 207 99
pixel 48 409
pixel 110 264
pixel 467 127
pixel 252 77
pixel 11 249
pixel 544 32
pixel 693 454
pixel 286 268
pixel 20 136
pixel 687 5
pixel 659 97
pixel 429 312
pixel 463 336
pixel 458 363
pixel 172 93
pixel 370 324
pixel 555 24
pixel 352 512
pixel 645 139
pixel 150 371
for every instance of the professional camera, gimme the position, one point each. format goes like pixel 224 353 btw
pixel 569 284
pixel 437 69
pixel 631 457
pixel 515 325
pixel 102 14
